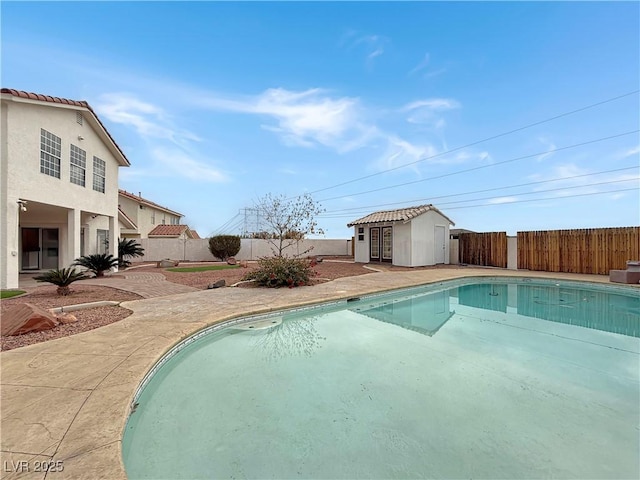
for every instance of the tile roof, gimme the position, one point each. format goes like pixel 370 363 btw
pixel 195 235
pixel 65 101
pixel 399 215
pixel 170 231
pixel 144 201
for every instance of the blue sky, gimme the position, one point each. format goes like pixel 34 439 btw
pixel 218 104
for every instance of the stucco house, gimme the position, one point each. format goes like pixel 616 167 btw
pixel 139 216
pixel 59 183
pixel 408 237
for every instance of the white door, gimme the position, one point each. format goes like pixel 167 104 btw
pixel 440 247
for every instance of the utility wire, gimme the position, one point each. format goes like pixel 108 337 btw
pixel 546 198
pixel 593 105
pixel 368 207
pixel 520 194
pixel 482 166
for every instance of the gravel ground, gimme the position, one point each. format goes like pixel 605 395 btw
pixel 327 270
pixel 46 297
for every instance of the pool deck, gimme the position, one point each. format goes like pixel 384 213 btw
pixel 67 400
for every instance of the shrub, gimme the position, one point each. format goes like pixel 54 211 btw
pixel 97 263
pixel 62 278
pixel 224 246
pixel 128 248
pixel 281 272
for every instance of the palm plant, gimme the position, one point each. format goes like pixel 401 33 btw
pixel 62 278
pixel 128 248
pixel 97 263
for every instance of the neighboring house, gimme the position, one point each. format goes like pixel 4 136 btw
pixel 139 216
pixel 454 233
pixel 407 237
pixel 172 231
pixel 59 183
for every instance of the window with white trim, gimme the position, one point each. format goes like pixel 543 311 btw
pixel 78 165
pixel 99 174
pixel 50 153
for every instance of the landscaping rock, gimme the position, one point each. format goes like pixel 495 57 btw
pixel 65 318
pixel 231 261
pixel 218 284
pixel 167 263
pixel 25 318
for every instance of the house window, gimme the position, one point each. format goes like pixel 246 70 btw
pixel 153 218
pixel 361 234
pixel 50 148
pixel 78 165
pixel 99 174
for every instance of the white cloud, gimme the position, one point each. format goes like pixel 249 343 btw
pixel 148 120
pixel 500 200
pixel 548 146
pixel 400 152
pixel 427 111
pixel 424 65
pixel 373 45
pixel 305 118
pixel 632 152
pixel 178 163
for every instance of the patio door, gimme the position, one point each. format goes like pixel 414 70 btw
pixel 39 248
pixel 381 244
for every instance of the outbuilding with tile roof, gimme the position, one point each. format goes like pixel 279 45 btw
pixel 409 237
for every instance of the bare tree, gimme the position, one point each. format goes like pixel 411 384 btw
pixel 289 220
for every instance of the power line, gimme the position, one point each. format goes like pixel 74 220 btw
pixel 593 105
pixel 546 198
pixel 368 207
pixel 520 194
pixel 481 166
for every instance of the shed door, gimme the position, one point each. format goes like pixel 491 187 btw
pixel 440 247
pixel 387 244
pixel 374 244
pixel 380 244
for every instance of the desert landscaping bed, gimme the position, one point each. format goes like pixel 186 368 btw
pixel 47 298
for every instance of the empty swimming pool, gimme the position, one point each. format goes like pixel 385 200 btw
pixel 474 378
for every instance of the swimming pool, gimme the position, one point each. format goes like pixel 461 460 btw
pixel 490 377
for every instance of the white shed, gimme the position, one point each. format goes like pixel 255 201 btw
pixel 407 237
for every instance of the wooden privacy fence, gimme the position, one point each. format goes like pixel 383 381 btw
pixel 488 249
pixel 591 250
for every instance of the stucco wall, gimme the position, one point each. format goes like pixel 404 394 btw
pixel 197 250
pixel 402 244
pixel 454 251
pixel 22 179
pixel 361 247
pixel 512 253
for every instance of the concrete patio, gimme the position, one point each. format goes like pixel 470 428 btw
pixel 67 400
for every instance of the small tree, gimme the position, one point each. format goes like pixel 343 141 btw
pixel 224 246
pixel 97 263
pixel 62 278
pixel 289 221
pixel 128 248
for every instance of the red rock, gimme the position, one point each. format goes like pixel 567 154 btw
pixel 26 318
pixel 231 261
pixel 65 318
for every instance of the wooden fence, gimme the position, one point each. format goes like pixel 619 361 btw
pixel 594 251
pixel 488 249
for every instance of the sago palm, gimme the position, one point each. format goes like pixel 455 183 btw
pixel 97 263
pixel 62 278
pixel 128 248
